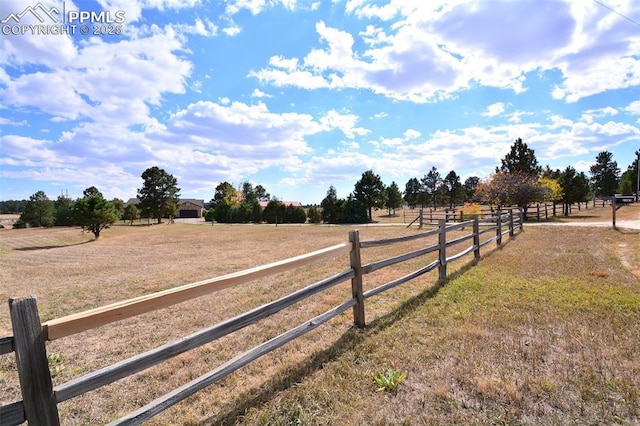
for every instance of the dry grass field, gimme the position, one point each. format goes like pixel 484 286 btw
pixel 544 331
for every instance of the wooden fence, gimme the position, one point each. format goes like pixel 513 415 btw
pixel 538 211
pixel 40 398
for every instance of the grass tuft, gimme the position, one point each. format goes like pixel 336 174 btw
pixel 389 380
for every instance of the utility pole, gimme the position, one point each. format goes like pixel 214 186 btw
pixel 638 176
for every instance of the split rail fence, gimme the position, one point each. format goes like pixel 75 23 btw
pixel 39 398
pixel 538 211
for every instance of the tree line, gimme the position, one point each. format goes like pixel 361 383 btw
pixel 518 181
pixel 157 198
pixel 242 205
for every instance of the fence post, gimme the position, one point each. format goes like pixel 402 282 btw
pixel 499 229
pixel 442 252
pixel 511 233
pixel 476 237
pixel 613 211
pixel 538 212
pixel 356 281
pixel 521 219
pixel 33 368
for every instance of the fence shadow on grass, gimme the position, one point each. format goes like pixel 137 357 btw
pixel 621 229
pixel 418 300
pixel 230 412
pixel 52 246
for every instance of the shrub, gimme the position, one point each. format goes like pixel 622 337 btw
pixel 294 215
pixel 314 215
pixel 209 215
pixel 469 209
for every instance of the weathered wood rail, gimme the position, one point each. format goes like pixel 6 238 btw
pixel 40 398
pixel 538 211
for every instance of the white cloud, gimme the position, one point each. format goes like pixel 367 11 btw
pixel 105 81
pixel 516 117
pixel 232 30
pixel 200 27
pixel 257 93
pixel 285 64
pixel 633 108
pixel 374 36
pixel 344 122
pixel 413 68
pixel 602 53
pixel 559 121
pixel 433 50
pixel 7 122
pixel 494 109
pixel 133 9
pixel 20 50
pixel 253 6
pixel 411 134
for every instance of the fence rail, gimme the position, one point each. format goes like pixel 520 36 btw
pixel 40 398
pixel 538 211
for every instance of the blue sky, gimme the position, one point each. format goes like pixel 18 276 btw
pixel 300 95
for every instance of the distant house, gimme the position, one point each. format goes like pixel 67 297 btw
pixel 263 204
pixel 190 208
pixel 187 207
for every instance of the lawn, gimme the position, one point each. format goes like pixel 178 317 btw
pixel 544 331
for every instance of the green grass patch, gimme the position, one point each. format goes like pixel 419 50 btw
pixel 527 336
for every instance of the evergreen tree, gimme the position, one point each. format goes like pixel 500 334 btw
pixel 575 187
pixel 131 213
pixel 353 210
pixel 63 211
pixel 330 206
pixel 274 212
pixel 248 193
pixel 262 193
pixel 629 180
pixel 470 185
pixel 224 197
pixel 118 204
pixel 412 190
pixel 294 214
pixel 314 215
pixel 12 206
pixel 521 159
pixel 393 198
pixel 453 188
pixel 368 190
pixel 605 175
pixel 159 194
pixel 430 183
pixel 93 212
pixel 39 211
